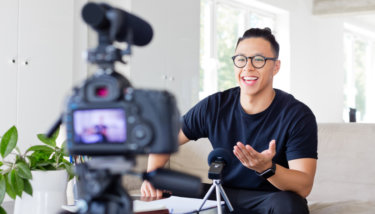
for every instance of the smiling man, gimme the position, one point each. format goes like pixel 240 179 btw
pixel 272 136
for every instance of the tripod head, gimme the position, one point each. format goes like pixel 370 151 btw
pixel 101 191
pixel 100 187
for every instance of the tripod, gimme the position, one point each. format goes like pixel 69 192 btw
pixel 216 184
pixel 101 190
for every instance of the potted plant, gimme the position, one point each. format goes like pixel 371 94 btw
pixel 19 170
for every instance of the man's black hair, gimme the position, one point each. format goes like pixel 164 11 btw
pixel 261 33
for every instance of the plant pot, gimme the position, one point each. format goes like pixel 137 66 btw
pixel 49 193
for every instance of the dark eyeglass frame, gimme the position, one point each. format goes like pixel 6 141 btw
pixel 251 60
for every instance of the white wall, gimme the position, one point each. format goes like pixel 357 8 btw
pixel 317 59
pixel 171 60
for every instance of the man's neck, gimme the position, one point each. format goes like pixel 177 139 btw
pixel 253 104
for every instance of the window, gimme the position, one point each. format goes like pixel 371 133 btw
pixel 222 23
pixel 359 48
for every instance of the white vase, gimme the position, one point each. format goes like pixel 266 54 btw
pixel 49 193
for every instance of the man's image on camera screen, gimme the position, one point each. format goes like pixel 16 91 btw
pixel 99 126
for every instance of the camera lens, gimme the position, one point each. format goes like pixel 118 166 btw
pixel 101 91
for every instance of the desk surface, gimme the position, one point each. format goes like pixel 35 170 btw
pixel 176 205
pixel 173 204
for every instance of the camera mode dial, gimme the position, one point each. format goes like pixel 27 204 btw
pixel 141 134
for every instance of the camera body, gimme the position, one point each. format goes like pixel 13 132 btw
pixel 106 116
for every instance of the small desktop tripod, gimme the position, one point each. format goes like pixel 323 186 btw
pixel 216 184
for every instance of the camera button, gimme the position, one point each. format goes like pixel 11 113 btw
pixel 131 119
pixel 140 134
pixel 128 97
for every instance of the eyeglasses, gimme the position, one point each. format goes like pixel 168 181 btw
pixel 257 61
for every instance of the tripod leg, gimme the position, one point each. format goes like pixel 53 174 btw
pixel 206 196
pixel 226 199
pixel 218 199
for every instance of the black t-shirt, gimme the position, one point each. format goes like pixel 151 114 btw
pixel 222 120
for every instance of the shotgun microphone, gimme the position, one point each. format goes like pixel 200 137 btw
pixel 119 23
pixel 178 183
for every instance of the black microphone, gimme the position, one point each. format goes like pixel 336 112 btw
pixel 120 24
pixel 218 159
pixel 178 183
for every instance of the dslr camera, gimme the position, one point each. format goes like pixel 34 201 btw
pixel 106 115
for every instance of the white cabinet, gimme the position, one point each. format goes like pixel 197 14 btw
pixel 8 63
pixel 36 64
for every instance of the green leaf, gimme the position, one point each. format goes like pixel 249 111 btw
pixel 40 148
pixel 1 163
pixel 18 150
pixel 64 149
pixel 46 140
pixel 16 182
pixel 23 170
pixel 9 141
pixel 2 188
pixel 10 190
pixel 63 145
pixel 2 211
pixel 39 157
pixel 55 134
pixel 27 187
pixel 45 166
pixel 69 168
pixel 66 162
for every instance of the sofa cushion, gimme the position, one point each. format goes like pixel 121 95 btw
pixel 343 207
pixel 346 161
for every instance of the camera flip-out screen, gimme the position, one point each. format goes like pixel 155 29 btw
pixel 99 126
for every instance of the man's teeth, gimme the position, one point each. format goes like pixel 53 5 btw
pixel 250 78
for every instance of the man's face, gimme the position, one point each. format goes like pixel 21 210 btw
pixel 253 81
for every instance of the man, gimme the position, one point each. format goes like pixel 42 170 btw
pixel 273 136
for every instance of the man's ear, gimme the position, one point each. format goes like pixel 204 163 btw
pixel 276 67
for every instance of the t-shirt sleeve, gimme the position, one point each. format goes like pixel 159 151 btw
pixel 194 123
pixel 303 141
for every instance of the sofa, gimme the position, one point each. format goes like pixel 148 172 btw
pixel 345 176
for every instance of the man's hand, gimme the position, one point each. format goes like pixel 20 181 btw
pixel 147 190
pixel 254 160
pixel 157 161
